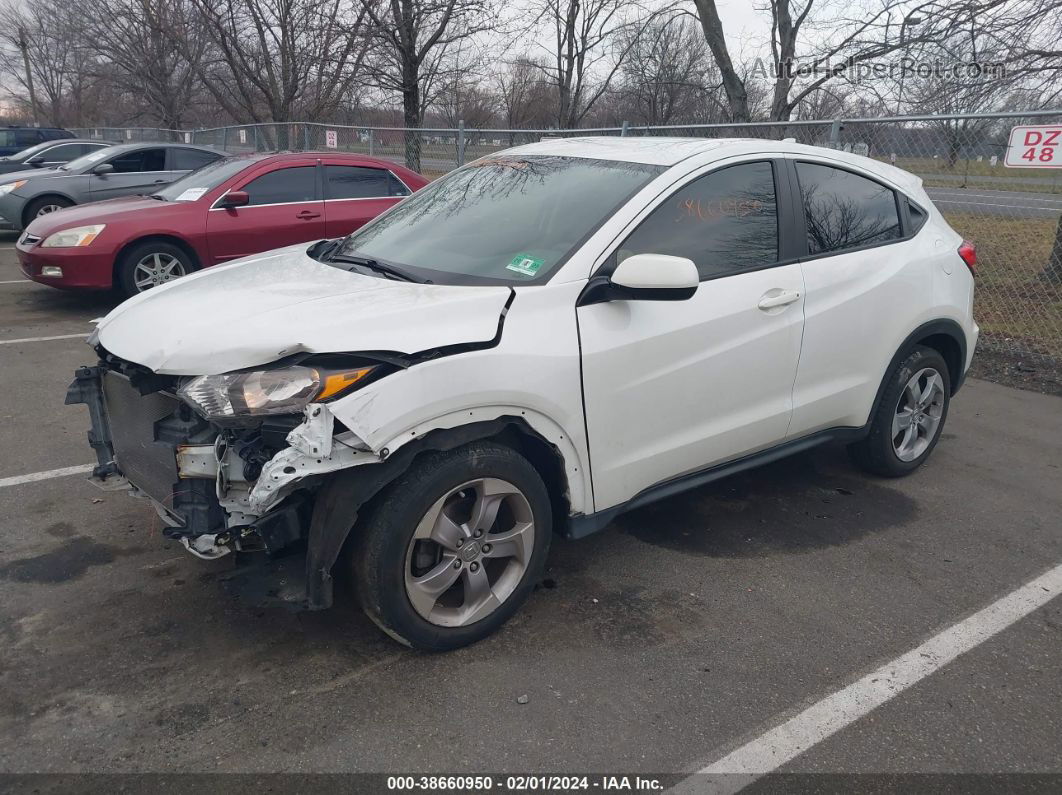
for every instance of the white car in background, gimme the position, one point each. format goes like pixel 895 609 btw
pixel 532 344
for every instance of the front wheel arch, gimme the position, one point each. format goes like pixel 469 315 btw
pixel 172 240
pixel 28 217
pixel 349 492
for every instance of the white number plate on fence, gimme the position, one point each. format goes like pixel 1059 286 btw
pixel 331 139
pixel 1037 146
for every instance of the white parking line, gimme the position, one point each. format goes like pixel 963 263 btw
pixel 43 339
pixel 18 480
pixel 18 281
pixel 793 737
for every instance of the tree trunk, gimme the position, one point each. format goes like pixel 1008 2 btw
pixel 1052 272
pixel 712 26
pixel 411 118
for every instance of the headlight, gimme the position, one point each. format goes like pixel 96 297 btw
pixel 6 189
pixel 286 390
pixel 72 238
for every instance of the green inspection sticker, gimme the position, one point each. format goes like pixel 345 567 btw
pixel 525 264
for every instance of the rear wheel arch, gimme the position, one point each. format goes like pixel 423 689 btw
pixel 944 336
pixel 953 349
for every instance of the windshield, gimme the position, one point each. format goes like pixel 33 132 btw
pixel 505 220
pixel 203 180
pixel 88 160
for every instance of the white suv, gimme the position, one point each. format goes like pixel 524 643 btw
pixel 530 345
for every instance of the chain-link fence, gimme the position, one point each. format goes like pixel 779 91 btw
pixel 1013 214
pixel 129 135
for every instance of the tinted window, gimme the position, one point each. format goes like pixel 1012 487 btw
pixel 843 210
pixel 141 160
pixel 298 184
pixel 398 187
pixel 28 137
pixel 918 216
pixel 63 153
pixel 7 138
pixel 190 159
pixel 726 222
pixel 356 182
pixel 500 220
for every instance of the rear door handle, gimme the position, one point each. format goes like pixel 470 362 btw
pixel 783 298
pixel 308 214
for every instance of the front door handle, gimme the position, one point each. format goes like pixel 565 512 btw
pixel 307 215
pixel 783 298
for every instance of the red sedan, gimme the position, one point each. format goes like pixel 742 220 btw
pixel 231 208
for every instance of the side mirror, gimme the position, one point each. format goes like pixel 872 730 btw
pixel 103 169
pixel 235 198
pixel 645 277
pixel 36 162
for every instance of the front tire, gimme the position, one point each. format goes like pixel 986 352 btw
pixel 910 417
pixel 150 264
pixel 453 547
pixel 45 205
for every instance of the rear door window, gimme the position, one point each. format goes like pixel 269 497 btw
pixel 358 182
pixel 140 160
pixel 284 186
pixel 190 159
pixel 843 210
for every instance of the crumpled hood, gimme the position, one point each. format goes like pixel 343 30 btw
pixel 263 308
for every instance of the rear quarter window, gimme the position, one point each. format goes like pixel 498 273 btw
pixel 843 210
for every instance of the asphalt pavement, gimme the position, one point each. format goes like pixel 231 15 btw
pixel 682 632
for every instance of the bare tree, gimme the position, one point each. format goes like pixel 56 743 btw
pixel 668 74
pixel 58 63
pixel 275 60
pixel 413 36
pixel 587 42
pixel 840 39
pixel 138 50
pixel 524 96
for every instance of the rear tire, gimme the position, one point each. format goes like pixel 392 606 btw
pixel 453 547
pixel 150 264
pixel 910 417
pixel 45 205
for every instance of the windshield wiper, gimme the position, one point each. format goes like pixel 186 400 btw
pixel 156 197
pixel 375 265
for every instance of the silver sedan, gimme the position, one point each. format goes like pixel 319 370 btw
pixel 124 170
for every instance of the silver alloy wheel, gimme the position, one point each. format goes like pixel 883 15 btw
pixel 918 414
pixel 469 552
pixel 155 269
pixel 49 208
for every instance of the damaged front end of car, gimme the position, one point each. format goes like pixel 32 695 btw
pixel 233 463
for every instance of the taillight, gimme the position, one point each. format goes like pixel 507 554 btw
pixel 968 252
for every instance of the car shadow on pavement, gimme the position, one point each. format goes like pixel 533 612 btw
pixel 808 501
pixel 53 303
